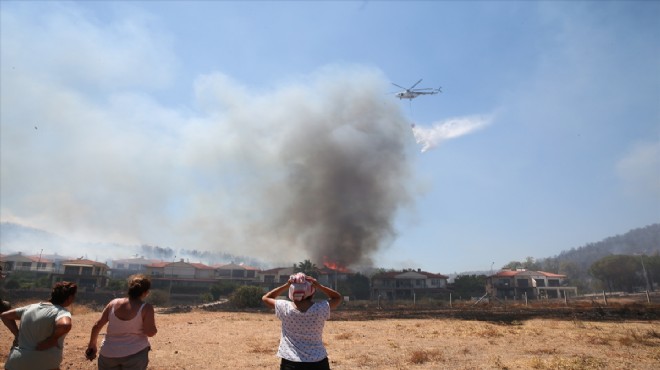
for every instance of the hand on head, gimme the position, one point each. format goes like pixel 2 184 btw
pixel 298 278
pixel 311 280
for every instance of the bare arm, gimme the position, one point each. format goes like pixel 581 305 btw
pixel 335 297
pixel 149 321
pixel 9 318
pixel 270 297
pixel 92 348
pixel 62 327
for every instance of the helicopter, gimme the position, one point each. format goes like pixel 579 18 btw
pixel 411 93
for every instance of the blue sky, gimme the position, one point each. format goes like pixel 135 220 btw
pixel 171 123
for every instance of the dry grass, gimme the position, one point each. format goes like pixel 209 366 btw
pixel 224 340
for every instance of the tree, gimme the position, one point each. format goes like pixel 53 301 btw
pixel 470 285
pixel 117 285
pixel 307 267
pixel 356 286
pixel 618 272
pixel 247 296
pixel 158 297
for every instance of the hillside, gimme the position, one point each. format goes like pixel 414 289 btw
pixel 642 241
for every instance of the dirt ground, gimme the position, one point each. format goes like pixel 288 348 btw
pixel 395 339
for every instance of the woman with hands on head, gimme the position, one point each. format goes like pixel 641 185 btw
pixel 130 322
pixel 301 341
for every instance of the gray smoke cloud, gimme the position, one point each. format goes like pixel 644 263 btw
pixel 313 167
pixel 346 170
pixel 331 172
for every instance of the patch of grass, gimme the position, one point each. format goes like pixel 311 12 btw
pixel 634 337
pixel 491 332
pixel 536 363
pixel 598 340
pixel 260 348
pixel 581 362
pixel 419 357
pixel 499 364
pixel 578 324
pixel 343 336
pixel 546 351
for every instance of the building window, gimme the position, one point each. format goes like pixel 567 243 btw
pixel 237 273
pixel 120 266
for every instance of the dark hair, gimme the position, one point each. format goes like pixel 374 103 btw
pixel 137 285
pixel 62 291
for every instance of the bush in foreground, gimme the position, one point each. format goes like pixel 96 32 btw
pixel 247 297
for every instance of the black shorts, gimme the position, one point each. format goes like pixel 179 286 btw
pixel 292 365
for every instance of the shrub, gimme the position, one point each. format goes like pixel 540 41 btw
pixel 158 297
pixel 247 297
pixel 222 288
pixel 206 297
pixel 118 285
pixel 12 284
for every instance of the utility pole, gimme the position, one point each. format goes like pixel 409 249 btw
pixel 646 276
pixel 39 262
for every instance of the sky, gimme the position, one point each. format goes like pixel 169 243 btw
pixel 271 129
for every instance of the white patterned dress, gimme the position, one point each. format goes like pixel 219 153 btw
pixel 302 332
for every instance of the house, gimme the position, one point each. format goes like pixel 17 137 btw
pixel 124 268
pixel 330 277
pixel 516 284
pixel 274 277
pixel 408 284
pixel 88 274
pixel 21 262
pixel 180 276
pixel 236 272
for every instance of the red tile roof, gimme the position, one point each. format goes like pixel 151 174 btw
pixel 82 261
pixel 512 273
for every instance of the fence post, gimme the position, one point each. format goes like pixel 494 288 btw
pixel 525 299
pixel 648 297
pixel 449 300
pixel 604 298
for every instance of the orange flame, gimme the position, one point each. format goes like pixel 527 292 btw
pixel 334 265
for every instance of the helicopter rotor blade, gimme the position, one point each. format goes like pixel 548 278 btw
pixel 399 86
pixel 413 86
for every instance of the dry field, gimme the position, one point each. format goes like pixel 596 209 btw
pixel 243 340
